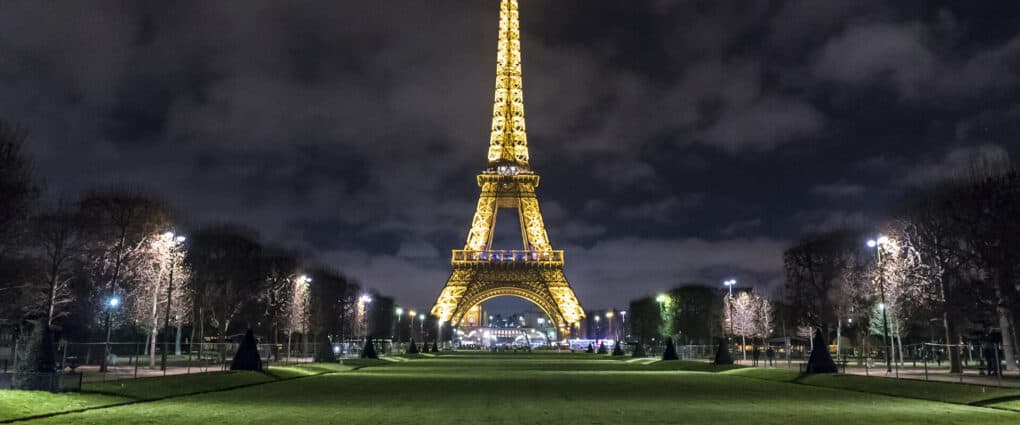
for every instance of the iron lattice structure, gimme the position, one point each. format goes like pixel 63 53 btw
pixel 534 273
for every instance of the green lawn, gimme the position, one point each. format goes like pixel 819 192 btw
pixel 18 404
pixel 554 388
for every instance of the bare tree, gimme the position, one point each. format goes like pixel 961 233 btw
pixel 741 316
pixel 226 262
pixel 18 194
pixel 120 221
pixel 278 296
pixel 817 280
pixel 59 238
pixel 18 187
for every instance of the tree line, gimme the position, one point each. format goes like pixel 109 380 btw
pixel 942 268
pixel 116 263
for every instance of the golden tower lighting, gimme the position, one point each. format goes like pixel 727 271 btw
pixel 535 272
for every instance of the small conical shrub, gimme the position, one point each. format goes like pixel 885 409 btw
pixel 618 348
pixel 435 347
pixel 247 356
pixel 591 349
pixel 722 354
pixel 325 353
pixel 369 351
pixel 820 360
pixel 602 348
pixel 670 352
pixel 413 348
pixel 425 347
pixel 639 350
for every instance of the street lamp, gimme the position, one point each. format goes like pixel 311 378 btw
pixel 877 245
pixel 729 284
pixel 400 315
pixel 609 318
pixel 111 304
pixel 623 322
pixel 410 326
pixel 362 301
pixel 173 241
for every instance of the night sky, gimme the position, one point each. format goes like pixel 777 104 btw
pixel 678 141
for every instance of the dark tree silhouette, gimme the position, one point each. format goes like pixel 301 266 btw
pixel 820 361
pixel 618 348
pixel 591 349
pixel 369 351
pixel 670 352
pixel 425 347
pixel 435 347
pixel 722 354
pixel 36 354
pixel 602 348
pixel 412 348
pixel 247 356
pixel 18 187
pixel 639 350
pixel 325 353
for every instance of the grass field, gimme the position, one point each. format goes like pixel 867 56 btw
pixel 552 388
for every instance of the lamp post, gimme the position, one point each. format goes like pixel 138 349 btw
pixel 877 245
pixel 597 328
pixel 661 300
pixel 173 241
pixel 410 326
pixel 439 332
pixel 609 320
pixel 623 324
pixel 396 327
pixel 729 284
pixel 421 326
pixel 363 301
pixel 111 304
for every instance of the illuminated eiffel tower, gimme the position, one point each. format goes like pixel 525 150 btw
pixel 535 272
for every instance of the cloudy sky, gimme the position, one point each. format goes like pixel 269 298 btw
pixel 678 141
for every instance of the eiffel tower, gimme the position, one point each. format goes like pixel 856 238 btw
pixel 535 272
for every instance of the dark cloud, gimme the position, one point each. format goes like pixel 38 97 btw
pixel 677 140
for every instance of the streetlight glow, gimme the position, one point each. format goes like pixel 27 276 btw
pixel 400 311
pixel 365 299
pixel 872 243
pixel 114 301
pixel 661 298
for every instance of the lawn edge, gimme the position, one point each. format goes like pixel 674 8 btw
pixel 798 381
pixel 131 401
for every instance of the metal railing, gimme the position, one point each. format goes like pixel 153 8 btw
pixel 507 256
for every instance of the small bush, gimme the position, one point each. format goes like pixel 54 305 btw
pixel 413 348
pixel 247 356
pixel 369 351
pixel 591 349
pixel 618 348
pixel 325 353
pixel 670 352
pixel 639 350
pixel 602 348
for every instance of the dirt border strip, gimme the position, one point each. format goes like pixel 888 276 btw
pixel 149 400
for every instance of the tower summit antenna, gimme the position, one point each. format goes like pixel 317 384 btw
pixel 508 142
